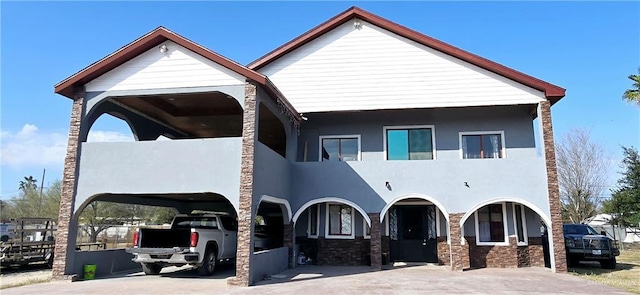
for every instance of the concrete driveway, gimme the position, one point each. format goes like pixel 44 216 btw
pixel 336 280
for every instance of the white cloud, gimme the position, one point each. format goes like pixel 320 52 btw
pixel 33 147
pixel 108 136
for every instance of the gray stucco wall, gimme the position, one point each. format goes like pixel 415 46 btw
pixel 271 174
pixel 176 166
pixel 516 122
pixel 269 262
pixel 107 262
pixel 521 175
pixel 271 170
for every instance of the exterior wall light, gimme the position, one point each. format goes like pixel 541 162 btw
pixel 357 24
pixel 163 48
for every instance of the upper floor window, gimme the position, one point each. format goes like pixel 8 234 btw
pixel 482 145
pixel 339 221
pixel 340 148
pixel 409 143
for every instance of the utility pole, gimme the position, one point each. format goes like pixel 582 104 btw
pixel 40 198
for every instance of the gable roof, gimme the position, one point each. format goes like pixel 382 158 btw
pixel 153 39
pixel 552 92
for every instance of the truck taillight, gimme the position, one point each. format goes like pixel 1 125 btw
pixel 194 239
pixel 135 238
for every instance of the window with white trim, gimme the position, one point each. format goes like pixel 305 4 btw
pixel 520 224
pixel 340 148
pixel 409 143
pixel 314 220
pixel 491 225
pixel 339 221
pixel 366 229
pixel 482 145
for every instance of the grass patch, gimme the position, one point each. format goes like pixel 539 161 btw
pixel 25 282
pixel 626 276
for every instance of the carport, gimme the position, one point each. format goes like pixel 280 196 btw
pixel 109 261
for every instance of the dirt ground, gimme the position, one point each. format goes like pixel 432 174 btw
pixel 14 276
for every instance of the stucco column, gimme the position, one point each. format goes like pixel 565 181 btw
pixel 557 237
pixel 376 241
pixel 457 249
pixel 65 242
pixel 245 213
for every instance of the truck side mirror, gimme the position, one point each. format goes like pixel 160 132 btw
pixel 603 233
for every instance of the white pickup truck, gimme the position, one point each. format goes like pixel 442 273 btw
pixel 201 240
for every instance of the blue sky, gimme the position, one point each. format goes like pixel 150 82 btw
pixel 589 48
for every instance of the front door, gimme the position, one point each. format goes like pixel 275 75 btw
pixel 412 233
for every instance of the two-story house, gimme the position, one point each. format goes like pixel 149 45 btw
pixel 359 142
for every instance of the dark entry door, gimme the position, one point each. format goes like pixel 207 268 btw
pixel 414 238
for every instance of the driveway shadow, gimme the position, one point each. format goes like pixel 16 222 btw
pixel 315 272
pixel 593 267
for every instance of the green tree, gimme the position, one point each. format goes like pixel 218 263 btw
pixel 29 202
pixel 633 95
pixel 624 204
pixel 29 183
pixel 582 175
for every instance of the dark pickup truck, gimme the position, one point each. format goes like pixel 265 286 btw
pixel 583 243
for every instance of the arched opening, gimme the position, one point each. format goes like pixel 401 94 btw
pixel 272 215
pixel 506 233
pixel 185 115
pixel 271 131
pixel 415 229
pixel 111 128
pixel 332 231
pixel 107 221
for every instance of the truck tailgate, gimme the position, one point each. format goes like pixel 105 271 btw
pixel 164 238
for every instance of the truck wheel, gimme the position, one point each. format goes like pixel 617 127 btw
pixel 608 264
pixel 208 263
pixel 151 268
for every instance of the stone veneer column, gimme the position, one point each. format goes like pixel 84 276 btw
pixel 245 228
pixel 288 242
pixel 457 250
pixel 376 241
pixel 552 186
pixel 68 194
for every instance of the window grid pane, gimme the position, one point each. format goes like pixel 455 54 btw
pixel 334 220
pixel 409 144
pixel 485 146
pixel 339 149
pixel 491 223
pixel 519 224
pixel 313 222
